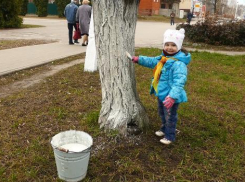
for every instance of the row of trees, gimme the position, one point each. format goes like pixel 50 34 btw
pixel 23 7
pixel 43 4
pixel 42 7
pixel 61 4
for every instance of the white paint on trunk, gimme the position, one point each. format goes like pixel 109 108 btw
pixel 91 59
pixel 115 23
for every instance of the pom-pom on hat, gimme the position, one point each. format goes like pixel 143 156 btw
pixel 175 36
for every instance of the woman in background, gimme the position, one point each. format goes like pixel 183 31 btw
pixel 83 17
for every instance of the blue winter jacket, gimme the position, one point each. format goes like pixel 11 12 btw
pixel 173 76
pixel 70 12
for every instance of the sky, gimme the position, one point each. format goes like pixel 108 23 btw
pixel 241 2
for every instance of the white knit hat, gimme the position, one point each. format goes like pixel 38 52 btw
pixel 175 36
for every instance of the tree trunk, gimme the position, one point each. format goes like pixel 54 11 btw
pixel 114 24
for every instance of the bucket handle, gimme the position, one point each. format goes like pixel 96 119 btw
pixel 68 151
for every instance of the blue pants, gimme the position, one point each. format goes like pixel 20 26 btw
pixel 169 120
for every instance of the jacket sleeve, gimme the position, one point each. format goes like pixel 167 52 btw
pixel 149 62
pixel 179 80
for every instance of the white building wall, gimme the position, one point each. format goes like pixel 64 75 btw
pixel 167 12
pixel 185 4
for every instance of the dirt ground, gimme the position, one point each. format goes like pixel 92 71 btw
pixel 9 89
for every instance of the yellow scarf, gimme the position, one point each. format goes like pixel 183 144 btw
pixel 157 71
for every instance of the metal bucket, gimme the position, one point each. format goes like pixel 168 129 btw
pixel 72 151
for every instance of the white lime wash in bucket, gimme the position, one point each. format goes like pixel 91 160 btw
pixel 74 147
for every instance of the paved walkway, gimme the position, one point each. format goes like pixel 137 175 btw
pixel 25 57
pixel 148 34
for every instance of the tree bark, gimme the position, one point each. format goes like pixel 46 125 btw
pixel 114 24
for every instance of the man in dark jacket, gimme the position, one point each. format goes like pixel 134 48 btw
pixel 70 14
pixel 189 17
pixel 172 16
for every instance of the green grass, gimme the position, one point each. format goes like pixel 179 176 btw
pixel 9 44
pixel 30 26
pixel 25 26
pixel 210 146
pixel 159 18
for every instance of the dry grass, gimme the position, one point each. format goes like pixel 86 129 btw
pixel 9 44
pixel 159 18
pixel 210 146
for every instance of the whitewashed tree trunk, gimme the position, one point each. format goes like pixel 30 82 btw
pixel 114 24
pixel 91 59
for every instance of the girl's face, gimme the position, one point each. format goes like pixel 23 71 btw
pixel 170 47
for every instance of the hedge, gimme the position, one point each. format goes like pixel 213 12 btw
pixel 9 11
pixel 42 7
pixel 211 31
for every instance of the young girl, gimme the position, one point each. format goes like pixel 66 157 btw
pixel 170 75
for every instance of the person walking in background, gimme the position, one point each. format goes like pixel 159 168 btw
pixel 189 17
pixel 83 16
pixel 169 78
pixel 70 14
pixel 172 16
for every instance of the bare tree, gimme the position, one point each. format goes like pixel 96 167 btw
pixel 240 10
pixel 213 5
pixel 114 25
pixel 216 4
pixel 222 6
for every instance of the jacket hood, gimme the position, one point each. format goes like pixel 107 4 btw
pixel 181 57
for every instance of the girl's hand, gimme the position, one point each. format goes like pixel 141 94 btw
pixel 135 59
pixel 168 102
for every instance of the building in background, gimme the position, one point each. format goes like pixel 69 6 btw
pixel 146 7
pixel 159 7
pixel 185 6
pixel 149 7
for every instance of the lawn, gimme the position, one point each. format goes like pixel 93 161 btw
pixel 160 18
pixel 9 44
pixel 210 146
